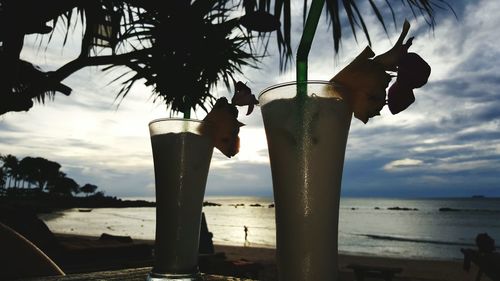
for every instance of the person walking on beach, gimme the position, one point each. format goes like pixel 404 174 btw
pixel 245 228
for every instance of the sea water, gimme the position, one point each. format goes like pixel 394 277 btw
pixel 366 227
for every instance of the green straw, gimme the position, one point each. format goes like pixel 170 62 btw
pixel 304 122
pixel 305 45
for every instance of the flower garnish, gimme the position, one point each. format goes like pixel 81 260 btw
pixel 222 127
pixel 366 80
pixel 390 59
pixel 221 123
pixel 243 96
pixel 413 72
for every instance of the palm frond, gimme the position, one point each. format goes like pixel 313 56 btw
pixel 191 48
pixel 187 47
pixel 355 18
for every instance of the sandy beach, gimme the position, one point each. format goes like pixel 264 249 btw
pixel 260 262
pixel 412 269
pixel 77 253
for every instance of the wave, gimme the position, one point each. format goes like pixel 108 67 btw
pixel 442 209
pixel 416 240
pixel 239 226
pixel 446 209
pixel 128 216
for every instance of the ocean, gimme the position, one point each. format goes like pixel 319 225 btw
pixel 401 228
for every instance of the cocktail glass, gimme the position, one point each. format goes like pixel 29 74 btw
pixel 306 138
pixel 181 162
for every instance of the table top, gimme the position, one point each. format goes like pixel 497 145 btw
pixel 134 274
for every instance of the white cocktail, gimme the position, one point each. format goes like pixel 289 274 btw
pixel 181 163
pixel 306 141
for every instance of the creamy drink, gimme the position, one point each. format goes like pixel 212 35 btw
pixel 306 142
pixel 181 164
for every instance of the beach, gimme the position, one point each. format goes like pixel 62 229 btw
pixel 423 237
pixel 417 237
pixel 412 269
pixel 393 228
pixel 260 263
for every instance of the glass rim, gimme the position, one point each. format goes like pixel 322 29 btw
pixel 174 119
pixel 290 83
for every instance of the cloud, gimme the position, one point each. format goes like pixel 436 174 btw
pixel 241 178
pixel 402 164
pixel 447 143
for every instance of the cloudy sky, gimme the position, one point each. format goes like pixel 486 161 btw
pixel 446 144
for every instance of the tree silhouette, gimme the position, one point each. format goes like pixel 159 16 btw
pixel 3 174
pixel 63 186
pixel 2 178
pixel 28 169
pixel 40 170
pixel 11 168
pixel 99 194
pixel 88 189
pixel 180 48
pixel 45 174
pixel 36 170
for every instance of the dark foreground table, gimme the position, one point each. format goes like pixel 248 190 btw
pixel 135 274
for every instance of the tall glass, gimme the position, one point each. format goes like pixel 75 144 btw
pixel 306 140
pixel 181 162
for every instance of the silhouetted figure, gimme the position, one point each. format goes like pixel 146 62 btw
pixel 485 243
pixel 246 232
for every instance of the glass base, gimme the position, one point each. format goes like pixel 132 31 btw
pixel 174 277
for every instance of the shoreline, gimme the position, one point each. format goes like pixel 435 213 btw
pixel 412 268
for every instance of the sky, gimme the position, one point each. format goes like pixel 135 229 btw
pixel 447 144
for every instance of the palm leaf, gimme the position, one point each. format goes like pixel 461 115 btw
pixel 187 47
pixel 191 49
pixel 152 25
pixel 355 18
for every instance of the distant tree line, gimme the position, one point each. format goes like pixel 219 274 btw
pixel 38 174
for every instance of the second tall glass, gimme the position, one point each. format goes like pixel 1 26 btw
pixel 181 162
pixel 306 139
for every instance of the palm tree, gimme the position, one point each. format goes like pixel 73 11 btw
pixel 2 178
pixel 181 48
pixel 3 175
pixel 11 168
pixel 28 169
pixel 38 170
